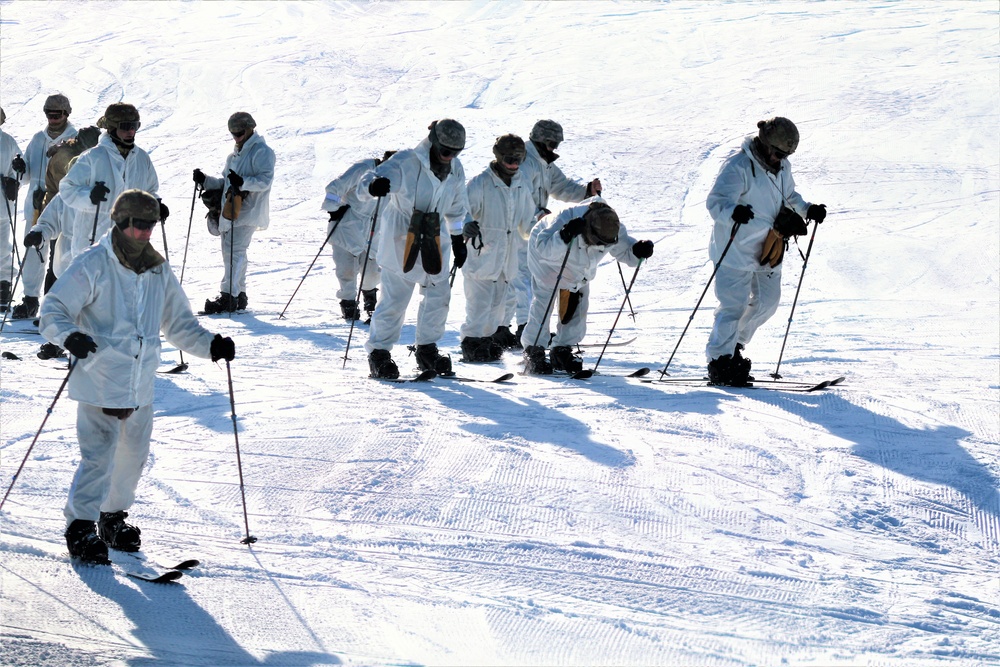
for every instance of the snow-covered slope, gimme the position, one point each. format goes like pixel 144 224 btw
pixel 546 521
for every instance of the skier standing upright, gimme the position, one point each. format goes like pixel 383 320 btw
pixel 755 205
pixel 102 173
pixel 424 209
pixel 246 189
pixel 502 208
pixel 9 184
pixel 36 160
pixel 108 310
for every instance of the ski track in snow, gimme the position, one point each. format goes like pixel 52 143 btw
pixel 546 520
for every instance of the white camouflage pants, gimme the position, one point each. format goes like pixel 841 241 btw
pixel 33 269
pixel 570 333
pixel 747 299
pixel 348 268
pixel 387 321
pixel 234 258
pixel 112 455
pixel 485 306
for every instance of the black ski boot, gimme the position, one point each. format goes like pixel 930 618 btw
pixel 480 350
pixel 535 362
pixel 26 310
pixel 50 351
pixel 505 339
pixel 224 303
pixel 118 534
pixel 242 301
pixel 84 544
pixel 741 368
pixel 349 310
pixel 563 359
pixel 723 372
pixel 370 299
pixel 5 296
pixel 517 336
pixel 429 359
pixel 381 365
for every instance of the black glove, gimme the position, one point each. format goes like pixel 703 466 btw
pixel 816 212
pixel 459 249
pixel 572 228
pixel 80 344
pixel 199 177
pixel 379 187
pixel 235 180
pixel 338 215
pixel 222 348
pixel 742 214
pixel 99 193
pixel 9 188
pixel 164 212
pixel 642 249
pixel 18 165
pixel 33 239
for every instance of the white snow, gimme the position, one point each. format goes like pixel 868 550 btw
pixel 546 521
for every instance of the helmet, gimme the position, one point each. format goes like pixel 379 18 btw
pixel 779 133
pixel 119 112
pixel 136 204
pixel 509 144
pixel 241 121
pixel 602 224
pixel 89 136
pixel 448 133
pixel 57 102
pixel 545 131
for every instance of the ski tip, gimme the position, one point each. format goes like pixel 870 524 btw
pixel 505 377
pixel 187 564
pixel 642 372
pixel 585 374
pixel 167 577
pixel 11 355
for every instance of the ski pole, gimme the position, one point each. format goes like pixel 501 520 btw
pixel 182 366
pixel 628 291
pixel 451 277
pixel 249 539
pixel 97 214
pixel 631 311
pixel 281 316
pixel 194 197
pixel 13 290
pixel 732 237
pixel 11 220
pixel 45 419
pixel 548 309
pixel 361 281
pixel 805 262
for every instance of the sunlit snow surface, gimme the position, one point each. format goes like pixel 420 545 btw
pixel 546 521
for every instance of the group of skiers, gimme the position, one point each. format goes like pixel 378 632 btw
pixel 395 223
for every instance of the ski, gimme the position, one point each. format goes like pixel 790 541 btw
pixel 424 376
pixel 642 372
pixel 162 578
pixel 770 385
pixel 225 313
pixel 619 343
pixel 458 378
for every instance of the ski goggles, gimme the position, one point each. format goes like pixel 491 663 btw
pixel 552 145
pixel 128 125
pixel 142 225
pixel 446 152
pixel 54 113
pixel 512 159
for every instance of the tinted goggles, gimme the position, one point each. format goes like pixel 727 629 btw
pixel 445 151
pixel 143 225
pixel 512 159
pixel 54 113
pixel 129 125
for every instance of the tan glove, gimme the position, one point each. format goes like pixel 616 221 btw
pixel 774 248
